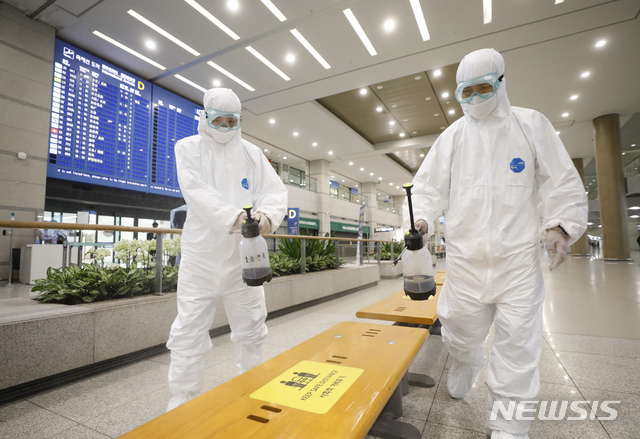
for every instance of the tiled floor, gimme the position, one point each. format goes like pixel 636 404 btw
pixel 591 353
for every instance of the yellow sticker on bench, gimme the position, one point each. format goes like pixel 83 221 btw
pixel 309 385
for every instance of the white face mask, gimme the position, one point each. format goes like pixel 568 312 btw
pixel 479 107
pixel 223 134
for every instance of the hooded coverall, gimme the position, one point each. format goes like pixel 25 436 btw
pixel 502 176
pixel 217 178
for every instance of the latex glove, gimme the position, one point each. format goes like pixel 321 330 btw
pixel 242 217
pixel 263 223
pixel 556 241
pixel 422 226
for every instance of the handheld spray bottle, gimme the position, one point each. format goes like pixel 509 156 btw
pixel 417 267
pixel 254 253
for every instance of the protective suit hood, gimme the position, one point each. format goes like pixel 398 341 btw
pixel 476 64
pixel 221 99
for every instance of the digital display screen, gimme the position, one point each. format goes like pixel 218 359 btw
pixel 112 128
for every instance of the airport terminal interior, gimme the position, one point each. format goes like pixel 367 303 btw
pixel 345 99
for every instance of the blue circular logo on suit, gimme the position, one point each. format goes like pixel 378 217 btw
pixel 517 165
pixel 245 183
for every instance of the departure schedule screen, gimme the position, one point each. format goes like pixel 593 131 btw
pixel 112 128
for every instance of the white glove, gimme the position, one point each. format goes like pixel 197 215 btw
pixel 264 224
pixel 556 241
pixel 242 217
pixel 422 226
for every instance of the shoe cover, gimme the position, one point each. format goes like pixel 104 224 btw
pixel 178 400
pixel 461 378
pixel 497 434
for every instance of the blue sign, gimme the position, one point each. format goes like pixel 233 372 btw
pixel 517 165
pixel 245 183
pixel 293 221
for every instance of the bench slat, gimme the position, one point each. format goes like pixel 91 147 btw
pixel 223 411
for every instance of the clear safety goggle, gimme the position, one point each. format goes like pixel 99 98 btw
pixel 484 86
pixel 218 119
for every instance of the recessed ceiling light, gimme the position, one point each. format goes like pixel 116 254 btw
pixel 128 49
pixel 394 106
pixel 589 223
pixel 573 97
pixel 601 43
pixel 436 114
pixel 217 83
pixel 272 121
pixel 634 208
pixel 191 83
pixel 417 78
pixel 230 75
pixel 389 25
pixel 290 57
pixel 392 123
pixel 565 114
pixel 363 91
pixel 558 132
pixel 442 128
pixel 350 163
pixel 284 158
pixel 402 134
pixel 267 63
pixel 623 153
pixel 415 132
pixel 452 111
pixel 380 87
pixel 265 150
pixel 633 144
pixel 405 120
pixel 296 134
pixel 445 94
pixel 330 152
pixel 275 11
pixel 150 44
pixel 371 174
pixel 419 15
pixel 314 144
pixel 212 19
pixel 379 109
pixel 233 5
pixel 427 98
pixel 585 74
pixel 356 27
pixel 397 187
pixel 437 72
pixel 487 11
pixel 379 178
pixel 162 32
pixel 310 48
pixel 390 184
pixel 422 155
pixel 362 169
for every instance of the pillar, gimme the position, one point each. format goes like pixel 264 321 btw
pixel 611 191
pixel 581 246
pixel 319 169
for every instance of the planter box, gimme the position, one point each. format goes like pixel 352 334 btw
pixel 388 271
pixel 70 337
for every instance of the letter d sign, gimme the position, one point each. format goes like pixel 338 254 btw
pixel 140 85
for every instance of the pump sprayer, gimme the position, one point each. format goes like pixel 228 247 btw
pixel 417 267
pixel 254 253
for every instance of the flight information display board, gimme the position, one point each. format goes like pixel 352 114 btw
pixel 112 128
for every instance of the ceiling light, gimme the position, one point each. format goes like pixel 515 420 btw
pixel 414 132
pixel 310 48
pixel 422 24
pixel 191 83
pixel 436 114
pixel 231 76
pixel 585 74
pixel 150 44
pixel 216 83
pixel 356 26
pixel 417 78
pixel 265 150
pixel 284 158
pixel 129 50
pixel 233 5
pixel 272 121
pixel 422 155
pixel 442 128
pixel 267 63
pixel 379 178
pixel 558 132
pixel 379 109
pixel 390 184
pixel 634 208
pixel 623 153
pixel 380 87
pixel 362 169
pixel 290 58
pixel 633 144
pixel 397 187
pixel 394 106
pixel 428 98
pixel 275 11
pixel 389 25
pixel 162 32
pixel 212 19
pixel 445 94
pixel 601 43
pixel 402 134
pixel 486 11
pixel 392 123
pixel 330 152
pixel 558 2
pixel 363 91
pixel 296 134
pixel 573 97
pixel 314 144
pixel 371 174
pixel 350 163
pixel 589 223
pixel 452 111
pixel 634 216
pixel 565 114
pixel 437 72
pixel 405 120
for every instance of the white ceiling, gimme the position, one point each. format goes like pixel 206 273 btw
pixel 545 45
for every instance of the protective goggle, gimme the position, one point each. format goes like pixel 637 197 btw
pixel 217 119
pixel 484 86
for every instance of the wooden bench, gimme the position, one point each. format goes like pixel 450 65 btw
pixel 334 385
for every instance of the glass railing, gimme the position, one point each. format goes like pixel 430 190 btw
pixel 632 168
pixel 293 177
pixel 391 208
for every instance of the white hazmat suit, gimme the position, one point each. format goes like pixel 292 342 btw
pixel 219 173
pixel 495 173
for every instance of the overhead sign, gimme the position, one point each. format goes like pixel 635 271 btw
pixel 352 228
pixel 383 229
pixel 293 221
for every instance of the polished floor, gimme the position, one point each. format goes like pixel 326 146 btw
pixel 591 353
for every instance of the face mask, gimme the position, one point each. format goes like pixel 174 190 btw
pixel 479 107
pixel 223 135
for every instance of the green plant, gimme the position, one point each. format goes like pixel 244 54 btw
pixel 385 250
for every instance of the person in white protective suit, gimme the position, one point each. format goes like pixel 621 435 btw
pixel 495 173
pixel 219 173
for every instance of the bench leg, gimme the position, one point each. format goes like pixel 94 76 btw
pixel 386 425
pixel 421 380
pixel 435 328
